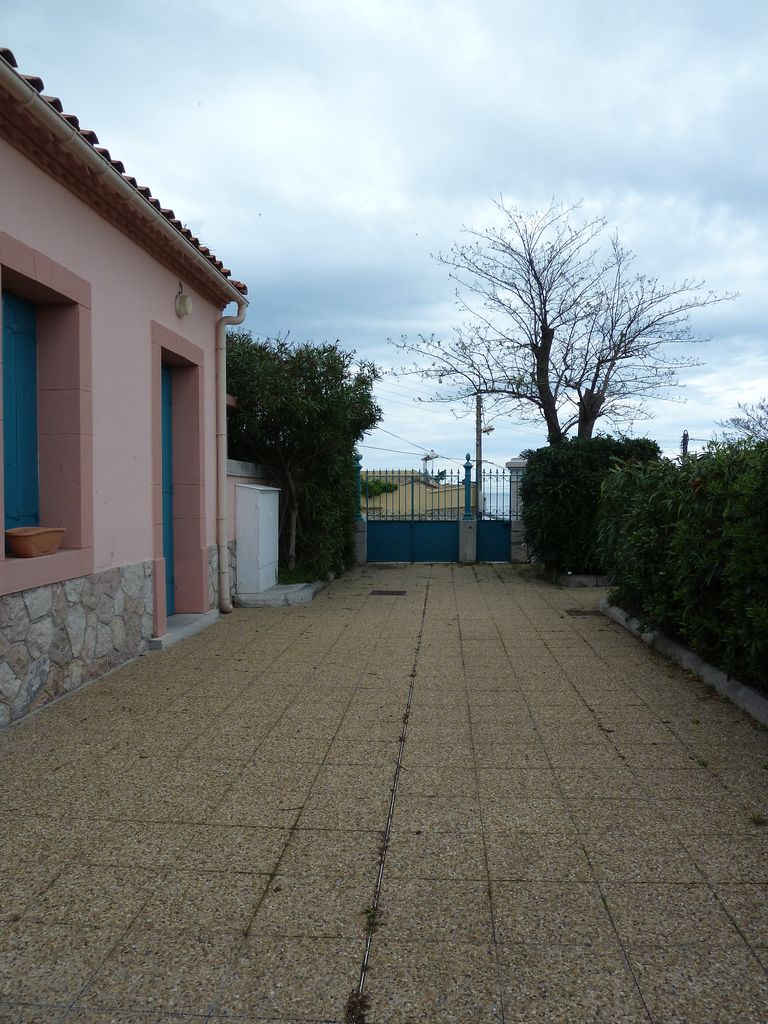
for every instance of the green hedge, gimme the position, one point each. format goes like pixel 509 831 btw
pixel 560 495
pixel 687 549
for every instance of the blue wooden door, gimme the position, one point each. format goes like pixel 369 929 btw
pixel 21 488
pixel 167 444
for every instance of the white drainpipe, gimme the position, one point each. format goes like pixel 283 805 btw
pixel 225 597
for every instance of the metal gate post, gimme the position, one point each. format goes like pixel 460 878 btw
pixel 468 489
pixel 467 524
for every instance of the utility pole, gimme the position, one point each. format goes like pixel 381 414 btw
pixel 479 453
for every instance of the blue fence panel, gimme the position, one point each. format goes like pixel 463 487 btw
pixel 389 541
pixel 435 542
pixel 493 540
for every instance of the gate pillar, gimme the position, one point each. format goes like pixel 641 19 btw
pixel 361 523
pixel 361 542
pixel 518 548
pixel 467 541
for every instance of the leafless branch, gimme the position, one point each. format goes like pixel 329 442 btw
pixel 558 324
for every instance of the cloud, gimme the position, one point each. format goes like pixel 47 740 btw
pixel 326 148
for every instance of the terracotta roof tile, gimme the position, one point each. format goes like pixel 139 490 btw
pixel 37 83
pixel 90 137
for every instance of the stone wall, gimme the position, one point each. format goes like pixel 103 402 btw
pixel 233 566
pixel 213 573
pixel 213 576
pixel 55 638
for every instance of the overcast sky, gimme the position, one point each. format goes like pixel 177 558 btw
pixel 325 149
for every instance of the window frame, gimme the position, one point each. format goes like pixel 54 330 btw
pixel 65 413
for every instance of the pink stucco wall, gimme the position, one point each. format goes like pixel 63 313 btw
pixel 129 289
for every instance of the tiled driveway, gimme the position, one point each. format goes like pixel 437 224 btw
pixel 576 832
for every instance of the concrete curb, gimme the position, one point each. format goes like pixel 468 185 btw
pixel 743 696
pixel 282 595
pixel 582 580
pixel 182 626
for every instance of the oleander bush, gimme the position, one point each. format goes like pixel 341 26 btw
pixel 686 547
pixel 560 495
pixel 302 409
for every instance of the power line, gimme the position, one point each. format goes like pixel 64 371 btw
pixel 435 411
pixel 396 451
pixel 402 387
pixel 392 380
pixel 376 448
pixel 387 395
pixel 395 401
pixel 391 434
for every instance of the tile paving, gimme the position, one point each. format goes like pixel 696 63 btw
pixel 576 833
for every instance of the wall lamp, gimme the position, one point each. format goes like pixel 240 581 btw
pixel 183 302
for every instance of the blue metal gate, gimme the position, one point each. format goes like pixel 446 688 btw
pixel 499 507
pixel 414 515
pixel 412 541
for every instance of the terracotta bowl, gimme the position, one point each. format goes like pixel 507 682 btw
pixel 32 541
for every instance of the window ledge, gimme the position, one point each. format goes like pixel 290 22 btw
pixel 26 573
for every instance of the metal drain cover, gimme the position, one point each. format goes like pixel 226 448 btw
pixel 581 612
pixel 388 593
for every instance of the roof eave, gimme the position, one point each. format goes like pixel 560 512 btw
pixel 46 133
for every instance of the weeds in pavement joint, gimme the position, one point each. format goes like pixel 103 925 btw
pixel 373 919
pixel 357 1008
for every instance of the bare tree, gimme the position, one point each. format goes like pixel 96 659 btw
pixel 557 323
pixel 752 423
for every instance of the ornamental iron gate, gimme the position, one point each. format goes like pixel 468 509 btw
pixel 413 515
pixel 499 508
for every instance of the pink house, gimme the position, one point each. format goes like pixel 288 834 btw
pixel 113 405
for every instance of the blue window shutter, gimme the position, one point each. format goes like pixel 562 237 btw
pixel 21 486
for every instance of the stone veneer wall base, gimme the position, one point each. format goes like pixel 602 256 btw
pixel 53 639
pixel 213 572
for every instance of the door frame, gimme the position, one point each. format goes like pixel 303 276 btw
pixel 166 398
pixel 190 552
